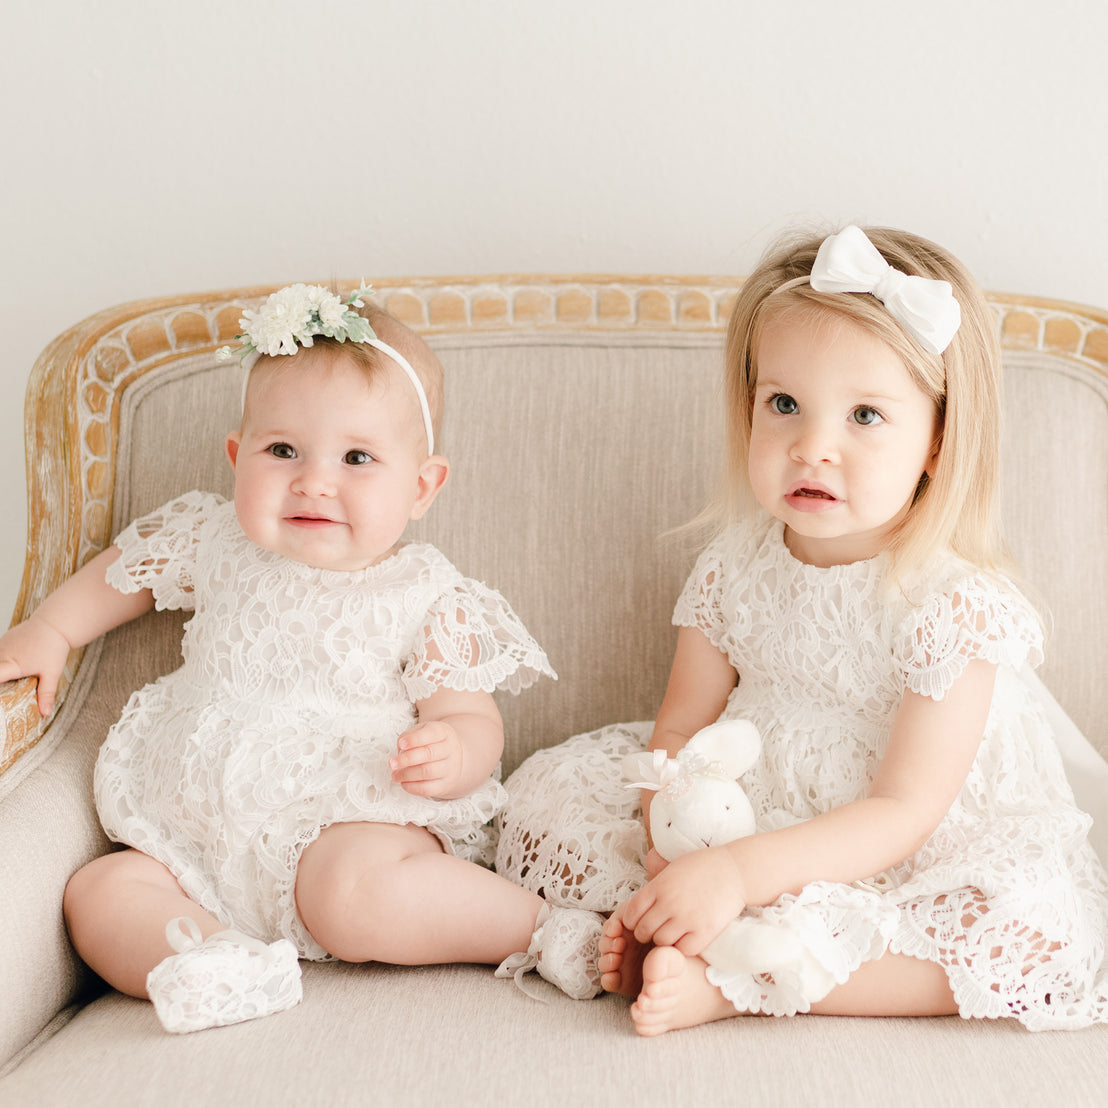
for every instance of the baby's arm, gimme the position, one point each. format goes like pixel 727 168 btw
pixel 74 614
pixel 700 681
pixel 931 749
pixel 453 748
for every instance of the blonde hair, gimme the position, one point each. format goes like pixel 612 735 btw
pixel 956 507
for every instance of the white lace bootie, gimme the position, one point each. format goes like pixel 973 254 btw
pixel 564 949
pixel 226 978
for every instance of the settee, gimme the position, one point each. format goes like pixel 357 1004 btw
pixel 583 423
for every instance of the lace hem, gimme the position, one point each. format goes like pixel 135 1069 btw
pixel 472 641
pixel 780 959
pixel 570 830
pixel 512 672
pixel 699 604
pixel 1045 974
pixel 975 618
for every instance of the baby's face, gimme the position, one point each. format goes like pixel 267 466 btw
pixel 840 437
pixel 329 465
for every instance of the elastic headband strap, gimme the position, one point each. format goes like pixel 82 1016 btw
pixel 250 359
pixel 406 366
pixel 293 316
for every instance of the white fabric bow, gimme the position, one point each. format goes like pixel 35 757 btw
pixel 657 771
pixel 925 308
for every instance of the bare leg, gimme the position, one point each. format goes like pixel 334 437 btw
pixel 676 993
pixel 387 893
pixel 893 985
pixel 117 908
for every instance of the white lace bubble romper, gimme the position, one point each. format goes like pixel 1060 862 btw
pixel 1007 894
pixel 295 685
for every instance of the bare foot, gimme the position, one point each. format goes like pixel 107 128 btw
pixel 621 958
pixel 676 994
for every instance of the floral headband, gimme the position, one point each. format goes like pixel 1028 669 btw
pixel 925 308
pixel 294 316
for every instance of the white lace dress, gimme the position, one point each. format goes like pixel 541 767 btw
pixel 1007 895
pixel 295 685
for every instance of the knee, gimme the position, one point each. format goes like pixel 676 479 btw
pixel 355 880
pixel 90 883
pixel 335 904
pixel 104 881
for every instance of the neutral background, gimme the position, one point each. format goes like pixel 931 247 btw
pixel 151 148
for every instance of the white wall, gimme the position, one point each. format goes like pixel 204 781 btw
pixel 153 149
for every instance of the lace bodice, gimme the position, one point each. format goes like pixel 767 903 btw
pixel 294 686
pixel 826 655
pixel 268 630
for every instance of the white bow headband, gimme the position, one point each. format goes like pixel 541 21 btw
pixel 925 308
pixel 294 316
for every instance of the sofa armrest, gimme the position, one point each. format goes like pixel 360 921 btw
pixel 22 725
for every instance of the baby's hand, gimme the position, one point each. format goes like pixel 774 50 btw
pixel 688 903
pixel 35 649
pixel 428 760
pixel 654 863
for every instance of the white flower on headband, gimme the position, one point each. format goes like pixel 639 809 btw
pixel 294 316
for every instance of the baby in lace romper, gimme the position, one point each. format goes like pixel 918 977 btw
pixel 318 777
pixel 915 832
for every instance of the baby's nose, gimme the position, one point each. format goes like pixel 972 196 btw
pixel 314 478
pixel 815 443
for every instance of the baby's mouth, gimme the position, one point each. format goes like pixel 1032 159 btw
pixel 814 494
pixel 310 520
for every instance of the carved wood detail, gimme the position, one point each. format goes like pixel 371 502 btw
pixel 77 383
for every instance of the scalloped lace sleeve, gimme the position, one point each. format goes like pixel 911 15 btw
pixel 976 618
pixel 472 641
pixel 158 551
pixel 700 603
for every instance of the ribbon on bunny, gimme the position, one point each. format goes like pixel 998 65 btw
pixel 659 771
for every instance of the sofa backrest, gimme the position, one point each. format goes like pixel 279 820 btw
pixel 583 422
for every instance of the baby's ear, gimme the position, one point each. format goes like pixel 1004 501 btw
pixel 432 476
pixel 233 441
pixel 734 743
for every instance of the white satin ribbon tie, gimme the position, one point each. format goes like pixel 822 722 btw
pixel 925 308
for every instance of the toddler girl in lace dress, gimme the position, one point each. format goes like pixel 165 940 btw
pixel 316 780
pixel 916 834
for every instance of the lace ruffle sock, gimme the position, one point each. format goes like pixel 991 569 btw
pixel 564 950
pixel 224 979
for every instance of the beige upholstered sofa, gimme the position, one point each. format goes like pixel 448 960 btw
pixel 583 421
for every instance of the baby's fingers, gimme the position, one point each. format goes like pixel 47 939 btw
pixel 46 694
pixel 418 764
pixel 47 687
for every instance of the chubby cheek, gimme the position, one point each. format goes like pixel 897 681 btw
pixel 250 506
pixel 761 468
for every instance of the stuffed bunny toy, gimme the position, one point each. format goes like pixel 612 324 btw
pixel 700 803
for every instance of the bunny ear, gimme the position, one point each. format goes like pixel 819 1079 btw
pixel 734 743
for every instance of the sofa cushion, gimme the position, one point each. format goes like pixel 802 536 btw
pixel 455 1035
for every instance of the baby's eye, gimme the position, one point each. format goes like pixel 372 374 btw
pixel 783 404
pixel 867 417
pixel 282 450
pixel 357 458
